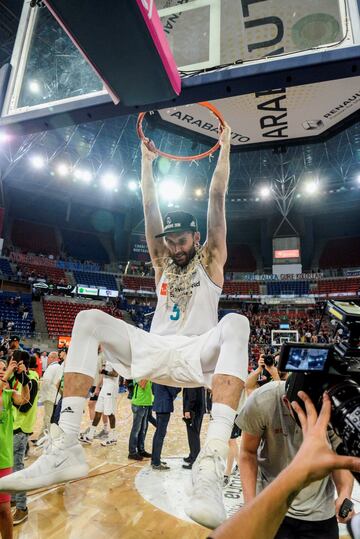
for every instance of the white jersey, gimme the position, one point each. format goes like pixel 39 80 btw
pixel 201 312
pixel 110 382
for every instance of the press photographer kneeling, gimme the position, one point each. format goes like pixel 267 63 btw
pixel 299 501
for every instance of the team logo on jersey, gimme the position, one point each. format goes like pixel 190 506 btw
pixel 163 291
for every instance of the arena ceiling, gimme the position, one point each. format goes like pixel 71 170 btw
pixel 313 176
pixel 111 147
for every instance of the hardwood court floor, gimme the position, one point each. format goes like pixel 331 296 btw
pixel 107 505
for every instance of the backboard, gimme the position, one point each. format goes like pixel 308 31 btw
pixel 266 64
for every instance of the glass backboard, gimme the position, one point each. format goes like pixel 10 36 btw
pixel 213 42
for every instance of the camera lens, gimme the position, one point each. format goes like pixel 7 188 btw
pixel 345 415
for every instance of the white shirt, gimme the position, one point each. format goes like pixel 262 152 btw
pixel 110 382
pixel 201 312
pixel 44 360
pixel 50 382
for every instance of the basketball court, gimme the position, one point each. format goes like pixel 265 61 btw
pixel 121 498
pixel 278 72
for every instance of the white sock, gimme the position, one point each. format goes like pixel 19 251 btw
pixel 106 427
pixel 92 432
pixel 71 414
pixel 221 425
pixel 112 434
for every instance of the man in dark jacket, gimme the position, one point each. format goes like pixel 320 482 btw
pixel 163 406
pixel 194 409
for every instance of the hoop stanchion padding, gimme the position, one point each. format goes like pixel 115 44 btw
pixel 125 43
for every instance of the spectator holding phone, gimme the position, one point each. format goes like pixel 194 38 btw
pixel 24 421
pixel 8 397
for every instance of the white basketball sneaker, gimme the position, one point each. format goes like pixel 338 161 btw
pixel 206 504
pixel 63 460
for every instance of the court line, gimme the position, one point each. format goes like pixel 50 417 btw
pixel 45 491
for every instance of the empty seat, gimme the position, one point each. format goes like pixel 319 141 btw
pixel 247 288
pixel 350 285
pixel 60 315
pixel 92 278
pixel 297 288
pixel 50 273
pixel 132 282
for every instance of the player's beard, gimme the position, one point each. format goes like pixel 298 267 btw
pixel 185 259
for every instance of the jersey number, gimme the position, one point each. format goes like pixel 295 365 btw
pixel 175 313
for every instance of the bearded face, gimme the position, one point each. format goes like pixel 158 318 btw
pixel 181 246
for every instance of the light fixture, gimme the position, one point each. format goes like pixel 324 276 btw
pixel 62 169
pixel 170 190
pixel 4 137
pixel 83 174
pixel 109 181
pixel 311 187
pixel 34 86
pixel 37 161
pixel 265 191
pixel 198 192
pixel 133 185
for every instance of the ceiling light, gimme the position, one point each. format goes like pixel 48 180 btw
pixel 83 174
pixel 37 161
pixel 109 181
pixel 62 169
pixel 311 187
pixel 133 185
pixel 4 137
pixel 265 191
pixel 170 190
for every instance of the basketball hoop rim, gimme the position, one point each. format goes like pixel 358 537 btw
pixel 209 152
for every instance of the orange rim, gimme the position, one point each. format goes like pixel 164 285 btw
pixel 216 146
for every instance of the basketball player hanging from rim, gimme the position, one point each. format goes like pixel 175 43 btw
pixel 186 346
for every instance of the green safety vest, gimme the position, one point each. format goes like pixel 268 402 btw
pixel 6 431
pixel 25 421
pixel 142 397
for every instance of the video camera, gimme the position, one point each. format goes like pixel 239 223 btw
pixel 335 368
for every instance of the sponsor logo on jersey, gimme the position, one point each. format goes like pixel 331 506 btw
pixel 163 290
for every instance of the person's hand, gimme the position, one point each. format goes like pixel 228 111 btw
pixel 273 372
pixel 261 363
pixel 21 367
pixel 338 504
pixel 315 459
pixel 97 391
pixel 143 383
pixel 225 136
pixel 187 415
pixel 148 151
pixel 10 370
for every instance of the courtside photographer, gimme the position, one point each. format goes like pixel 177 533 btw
pixel 314 461
pixel 266 371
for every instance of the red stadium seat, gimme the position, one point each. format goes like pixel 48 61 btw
pixel 60 315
